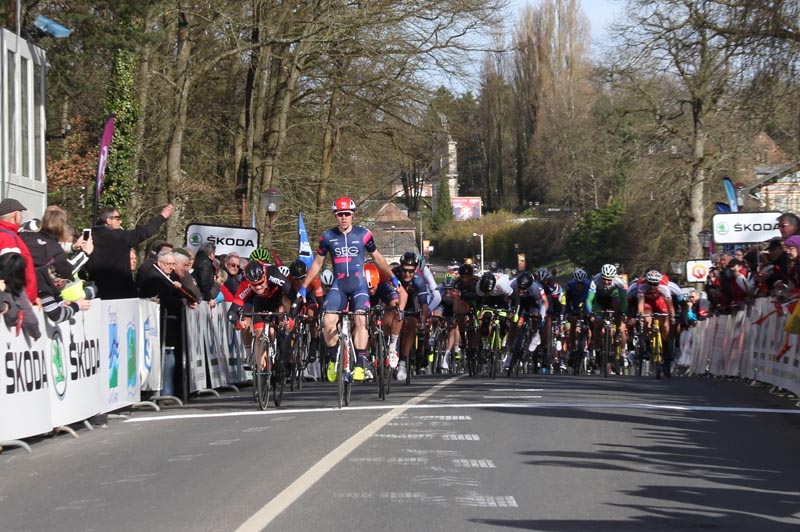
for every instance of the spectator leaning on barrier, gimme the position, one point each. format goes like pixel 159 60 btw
pixel 204 272
pixel 110 265
pixel 10 222
pixel 54 270
pixel 172 298
pixel 777 269
pixel 182 274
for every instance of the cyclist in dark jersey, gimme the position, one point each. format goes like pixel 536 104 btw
pixel 347 245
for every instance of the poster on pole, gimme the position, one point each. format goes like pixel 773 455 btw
pixel 697 270
pixel 466 208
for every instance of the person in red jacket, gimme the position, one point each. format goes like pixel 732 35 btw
pixel 10 220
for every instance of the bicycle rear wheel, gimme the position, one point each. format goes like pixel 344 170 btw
pixel 261 376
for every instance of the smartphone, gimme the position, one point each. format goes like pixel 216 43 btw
pixel 87 233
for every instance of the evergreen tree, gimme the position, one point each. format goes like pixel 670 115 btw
pixel 444 209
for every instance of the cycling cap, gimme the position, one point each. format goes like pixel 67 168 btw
pixel 255 272
pixel 524 280
pixel 259 254
pixel 284 270
pixel 653 276
pixel 579 275
pixel 298 269
pixel 608 271
pixel 344 204
pixel 372 275
pixel 326 277
pixel 543 274
pixel 466 270
pixel 409 258
pixel 487 282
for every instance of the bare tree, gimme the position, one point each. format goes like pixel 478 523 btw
pixel 670 43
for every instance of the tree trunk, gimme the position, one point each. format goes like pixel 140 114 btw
pixel 180 98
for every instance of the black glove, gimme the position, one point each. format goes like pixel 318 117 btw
pixel 234 313
pixel 297 306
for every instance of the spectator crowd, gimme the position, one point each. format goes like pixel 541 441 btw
pixel 45 263
pixel 772 269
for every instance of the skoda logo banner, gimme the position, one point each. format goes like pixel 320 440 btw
pixel 226 239
pixel 745 227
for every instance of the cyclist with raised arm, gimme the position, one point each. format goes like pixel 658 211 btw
pixel 415 309
pixel 347 245
pixel 610 294
pixel 268 290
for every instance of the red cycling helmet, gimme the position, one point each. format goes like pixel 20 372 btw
pixel 344 204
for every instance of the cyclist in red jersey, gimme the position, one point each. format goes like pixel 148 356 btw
pixel 653 297
pixel 269 290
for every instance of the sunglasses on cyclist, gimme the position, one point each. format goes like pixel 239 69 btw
pixel 407 271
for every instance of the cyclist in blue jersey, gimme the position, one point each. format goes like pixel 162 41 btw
pixel 579 293
pixel 347 245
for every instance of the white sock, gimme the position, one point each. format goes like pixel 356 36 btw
pixel 393 342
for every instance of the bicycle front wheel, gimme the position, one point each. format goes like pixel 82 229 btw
pixel 261 375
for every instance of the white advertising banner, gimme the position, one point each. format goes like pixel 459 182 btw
pixel 195 347
pixel 215 345
pixel 75 353
pixel 25 383
pixel 149 344
pixel 119 340
pixel 234 348
pixel 226 239
pixel 744 227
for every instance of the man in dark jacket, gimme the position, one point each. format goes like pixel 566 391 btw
pixel 110 265
pixel 204 272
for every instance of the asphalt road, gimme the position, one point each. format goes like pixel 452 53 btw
pixel 539 453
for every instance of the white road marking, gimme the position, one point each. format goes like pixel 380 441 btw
pixel 530 405
pixel 263 517
pixel 512 397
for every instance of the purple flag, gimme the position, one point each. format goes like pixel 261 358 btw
pixel 105 145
